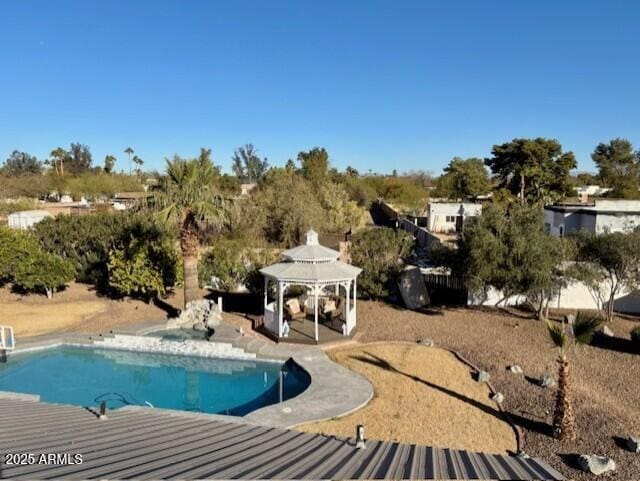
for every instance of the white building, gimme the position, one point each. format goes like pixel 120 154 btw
pixel 447 217
pixel 597 216
pixel 591 190
pixel 25 219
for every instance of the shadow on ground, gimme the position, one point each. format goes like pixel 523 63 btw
pixel 529 424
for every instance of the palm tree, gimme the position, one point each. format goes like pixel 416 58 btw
pixel 58 155
pixel 563 337
pixel 129 151
pixel 188 198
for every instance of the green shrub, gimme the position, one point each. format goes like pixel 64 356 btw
pixel 379 253
pixel 143 268
pixel 14 245
pixel 86 241
pixel 230 263
pixel 42 271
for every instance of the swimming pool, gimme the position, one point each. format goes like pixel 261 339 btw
pixel 87 376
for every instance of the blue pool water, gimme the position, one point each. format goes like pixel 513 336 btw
pixel 85 376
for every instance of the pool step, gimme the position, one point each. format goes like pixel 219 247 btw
pixel 158 345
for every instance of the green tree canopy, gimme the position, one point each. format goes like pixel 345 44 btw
pixel 43 271
pixel 618 167
pixel 314 165
pixel 534 169
pixel 21 163
pixel 109 163
pixel 379 253
pixel 247 164
pixel 464 178
pixel 78 159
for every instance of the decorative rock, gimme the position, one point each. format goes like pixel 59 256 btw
pixel 633 443
pixel 547 381
pixel 605 331
pixel 426 342
pixel 570 319
pixel 497 397
pixel 483 376
pixel 200 315
pixel 594 464
pixel 515 369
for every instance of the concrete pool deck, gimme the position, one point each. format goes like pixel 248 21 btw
pixel 334 390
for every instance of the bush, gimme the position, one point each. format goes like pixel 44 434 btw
pixel 379 252
pixel 14 246
pixel 143 268
pixel 230 264
pixel 86 241
pixel 635 336
pixel 42 271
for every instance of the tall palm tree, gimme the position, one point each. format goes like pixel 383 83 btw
pixel 129 151
pixel 564 337
pixel 58 155
pixel 188 198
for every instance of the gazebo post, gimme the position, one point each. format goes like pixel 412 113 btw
pixel 315 309
pixel 347 309
pixel 266 286
pixel 280 295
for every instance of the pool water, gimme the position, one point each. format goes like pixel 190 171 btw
pixel 87 376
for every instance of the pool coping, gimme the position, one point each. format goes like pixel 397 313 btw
pixel 334 391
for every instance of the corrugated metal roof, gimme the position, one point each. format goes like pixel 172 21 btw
pixel 155 444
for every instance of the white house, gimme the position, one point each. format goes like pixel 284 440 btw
pixel 597 216
pixel 446 217
pixel 26 219
pixel 591 190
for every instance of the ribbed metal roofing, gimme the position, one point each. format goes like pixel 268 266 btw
pixel 135 443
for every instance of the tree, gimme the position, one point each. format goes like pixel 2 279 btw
pixel 43 271
pixel 143 266
pixel 563 337
pixel 534 169
pixel 314 165
pixel 129 151
pixel 109 164
pixel 21 163
pixel 57 158
pixel 351 172
pixel 506 248
pixel 290 165
pixel 14 246
pixel 608 264
pixel 247 164
pixel 138 161
pixel 618 167
pixel 188 199
pixel 78 159
pixel 464 178
pixel 379 252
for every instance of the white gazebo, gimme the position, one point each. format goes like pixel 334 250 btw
pixel 317 269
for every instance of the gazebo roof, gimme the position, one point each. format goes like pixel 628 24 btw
pixel 304 272
pixel 311 251
pixel 310 263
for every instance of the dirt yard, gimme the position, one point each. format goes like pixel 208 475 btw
pixel 77 308
pixel 606 376
pixel 422 395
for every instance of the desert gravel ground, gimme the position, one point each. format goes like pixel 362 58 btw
pixel 606 378
pixel 423 395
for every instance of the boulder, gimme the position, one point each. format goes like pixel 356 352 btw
pixel 515 369
pixel 199 315
pixel 483 376
pixel 547 381
pixel 497 397
pixel 606 331
pixel 633 443
pixel 570 319
pixel 426 342
pixel 594 464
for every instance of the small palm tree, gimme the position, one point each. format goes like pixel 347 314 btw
pixel 129 151
pixel 564 337
pixel 188 198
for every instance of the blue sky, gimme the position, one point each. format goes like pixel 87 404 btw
pixel 381 85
